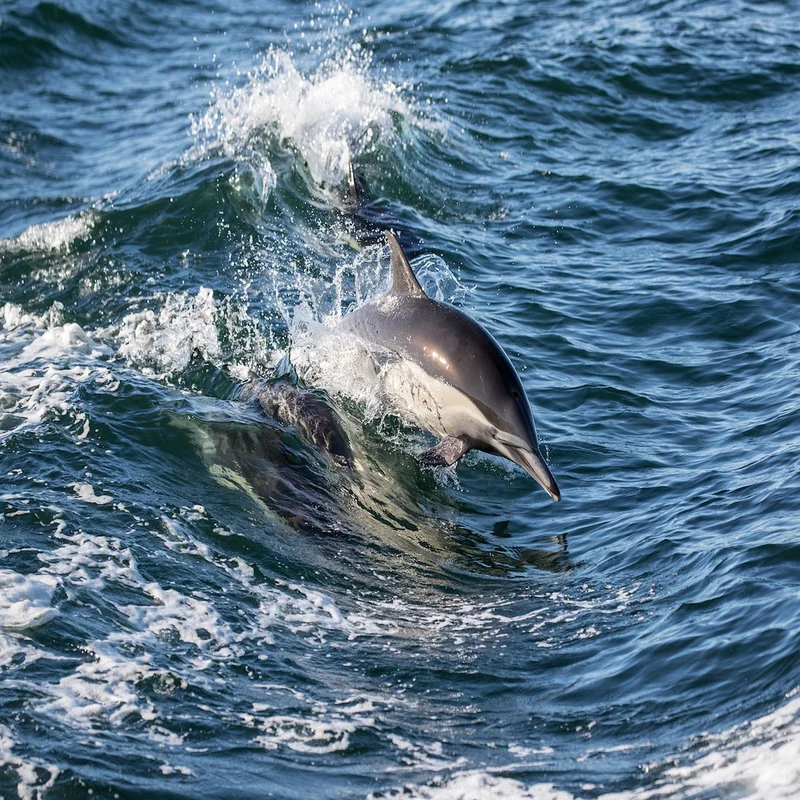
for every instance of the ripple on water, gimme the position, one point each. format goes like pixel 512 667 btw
pixel 611 192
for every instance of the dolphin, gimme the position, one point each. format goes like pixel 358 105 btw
pixel 448 375
pixel 309 415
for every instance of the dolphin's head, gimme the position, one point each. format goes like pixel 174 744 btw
pixel 514 436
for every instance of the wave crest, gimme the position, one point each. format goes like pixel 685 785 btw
pixel 335 111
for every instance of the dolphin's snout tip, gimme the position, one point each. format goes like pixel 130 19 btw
pixel 550 486
pixel 536 467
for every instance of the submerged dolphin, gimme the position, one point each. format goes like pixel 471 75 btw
pixel 449 375
pixel 307 414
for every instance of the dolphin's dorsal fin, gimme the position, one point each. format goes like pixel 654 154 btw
pixel 403 279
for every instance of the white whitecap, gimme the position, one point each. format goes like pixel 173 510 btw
pixel 477 785
pixel 758 760
pixel 164 342
pixel 337 110
pixel 42 362
pixel 55 235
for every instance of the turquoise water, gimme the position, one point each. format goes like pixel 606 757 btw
pixel 197 602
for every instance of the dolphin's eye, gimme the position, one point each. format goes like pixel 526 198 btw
pixel 515 394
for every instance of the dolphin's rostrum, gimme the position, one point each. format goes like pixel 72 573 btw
pixel 446 373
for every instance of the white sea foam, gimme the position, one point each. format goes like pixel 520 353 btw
pixel 295 607
pixel 168 769
pixel 458 621
pixel 321 729
pixel 104 688
pixel 25 600
pixel 101 688
pixel 43 361
pixel 163 342
pixel 13 317
pixel 759 760
pixel 84 559
pixel 87 493
pixel 25 603
pixel 57 235
pixel 16 653
pixel 35 777
pixel 527 752
pixel 477 785
pixel 192 620
pixel 302 734
pixel 427 756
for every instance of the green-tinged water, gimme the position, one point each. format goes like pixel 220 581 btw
pixel 196 601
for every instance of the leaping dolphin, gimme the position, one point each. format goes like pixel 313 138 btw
pixel 448 374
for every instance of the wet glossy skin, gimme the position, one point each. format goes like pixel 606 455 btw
pixel 451 347
pixel 454 349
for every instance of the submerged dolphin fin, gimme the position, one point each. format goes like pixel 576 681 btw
pixel 444 454
pixel 352 199
pixel 403 279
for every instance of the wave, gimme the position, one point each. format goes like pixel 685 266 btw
pixel 47 33
pixel 55 235
pixel 335 112
pixel 20 50
pixel 757 760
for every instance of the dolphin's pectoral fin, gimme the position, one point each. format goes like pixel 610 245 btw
pixel 403 279
pixel 446 453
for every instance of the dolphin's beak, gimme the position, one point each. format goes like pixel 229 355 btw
pixel 533 463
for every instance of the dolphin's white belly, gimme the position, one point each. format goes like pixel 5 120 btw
pixel 429 403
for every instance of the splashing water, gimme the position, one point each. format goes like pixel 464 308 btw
pixel 57 235
pixel 337 112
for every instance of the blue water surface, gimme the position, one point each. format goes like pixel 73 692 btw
pixel 196 601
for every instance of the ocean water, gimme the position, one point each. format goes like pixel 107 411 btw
pixel 196 601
